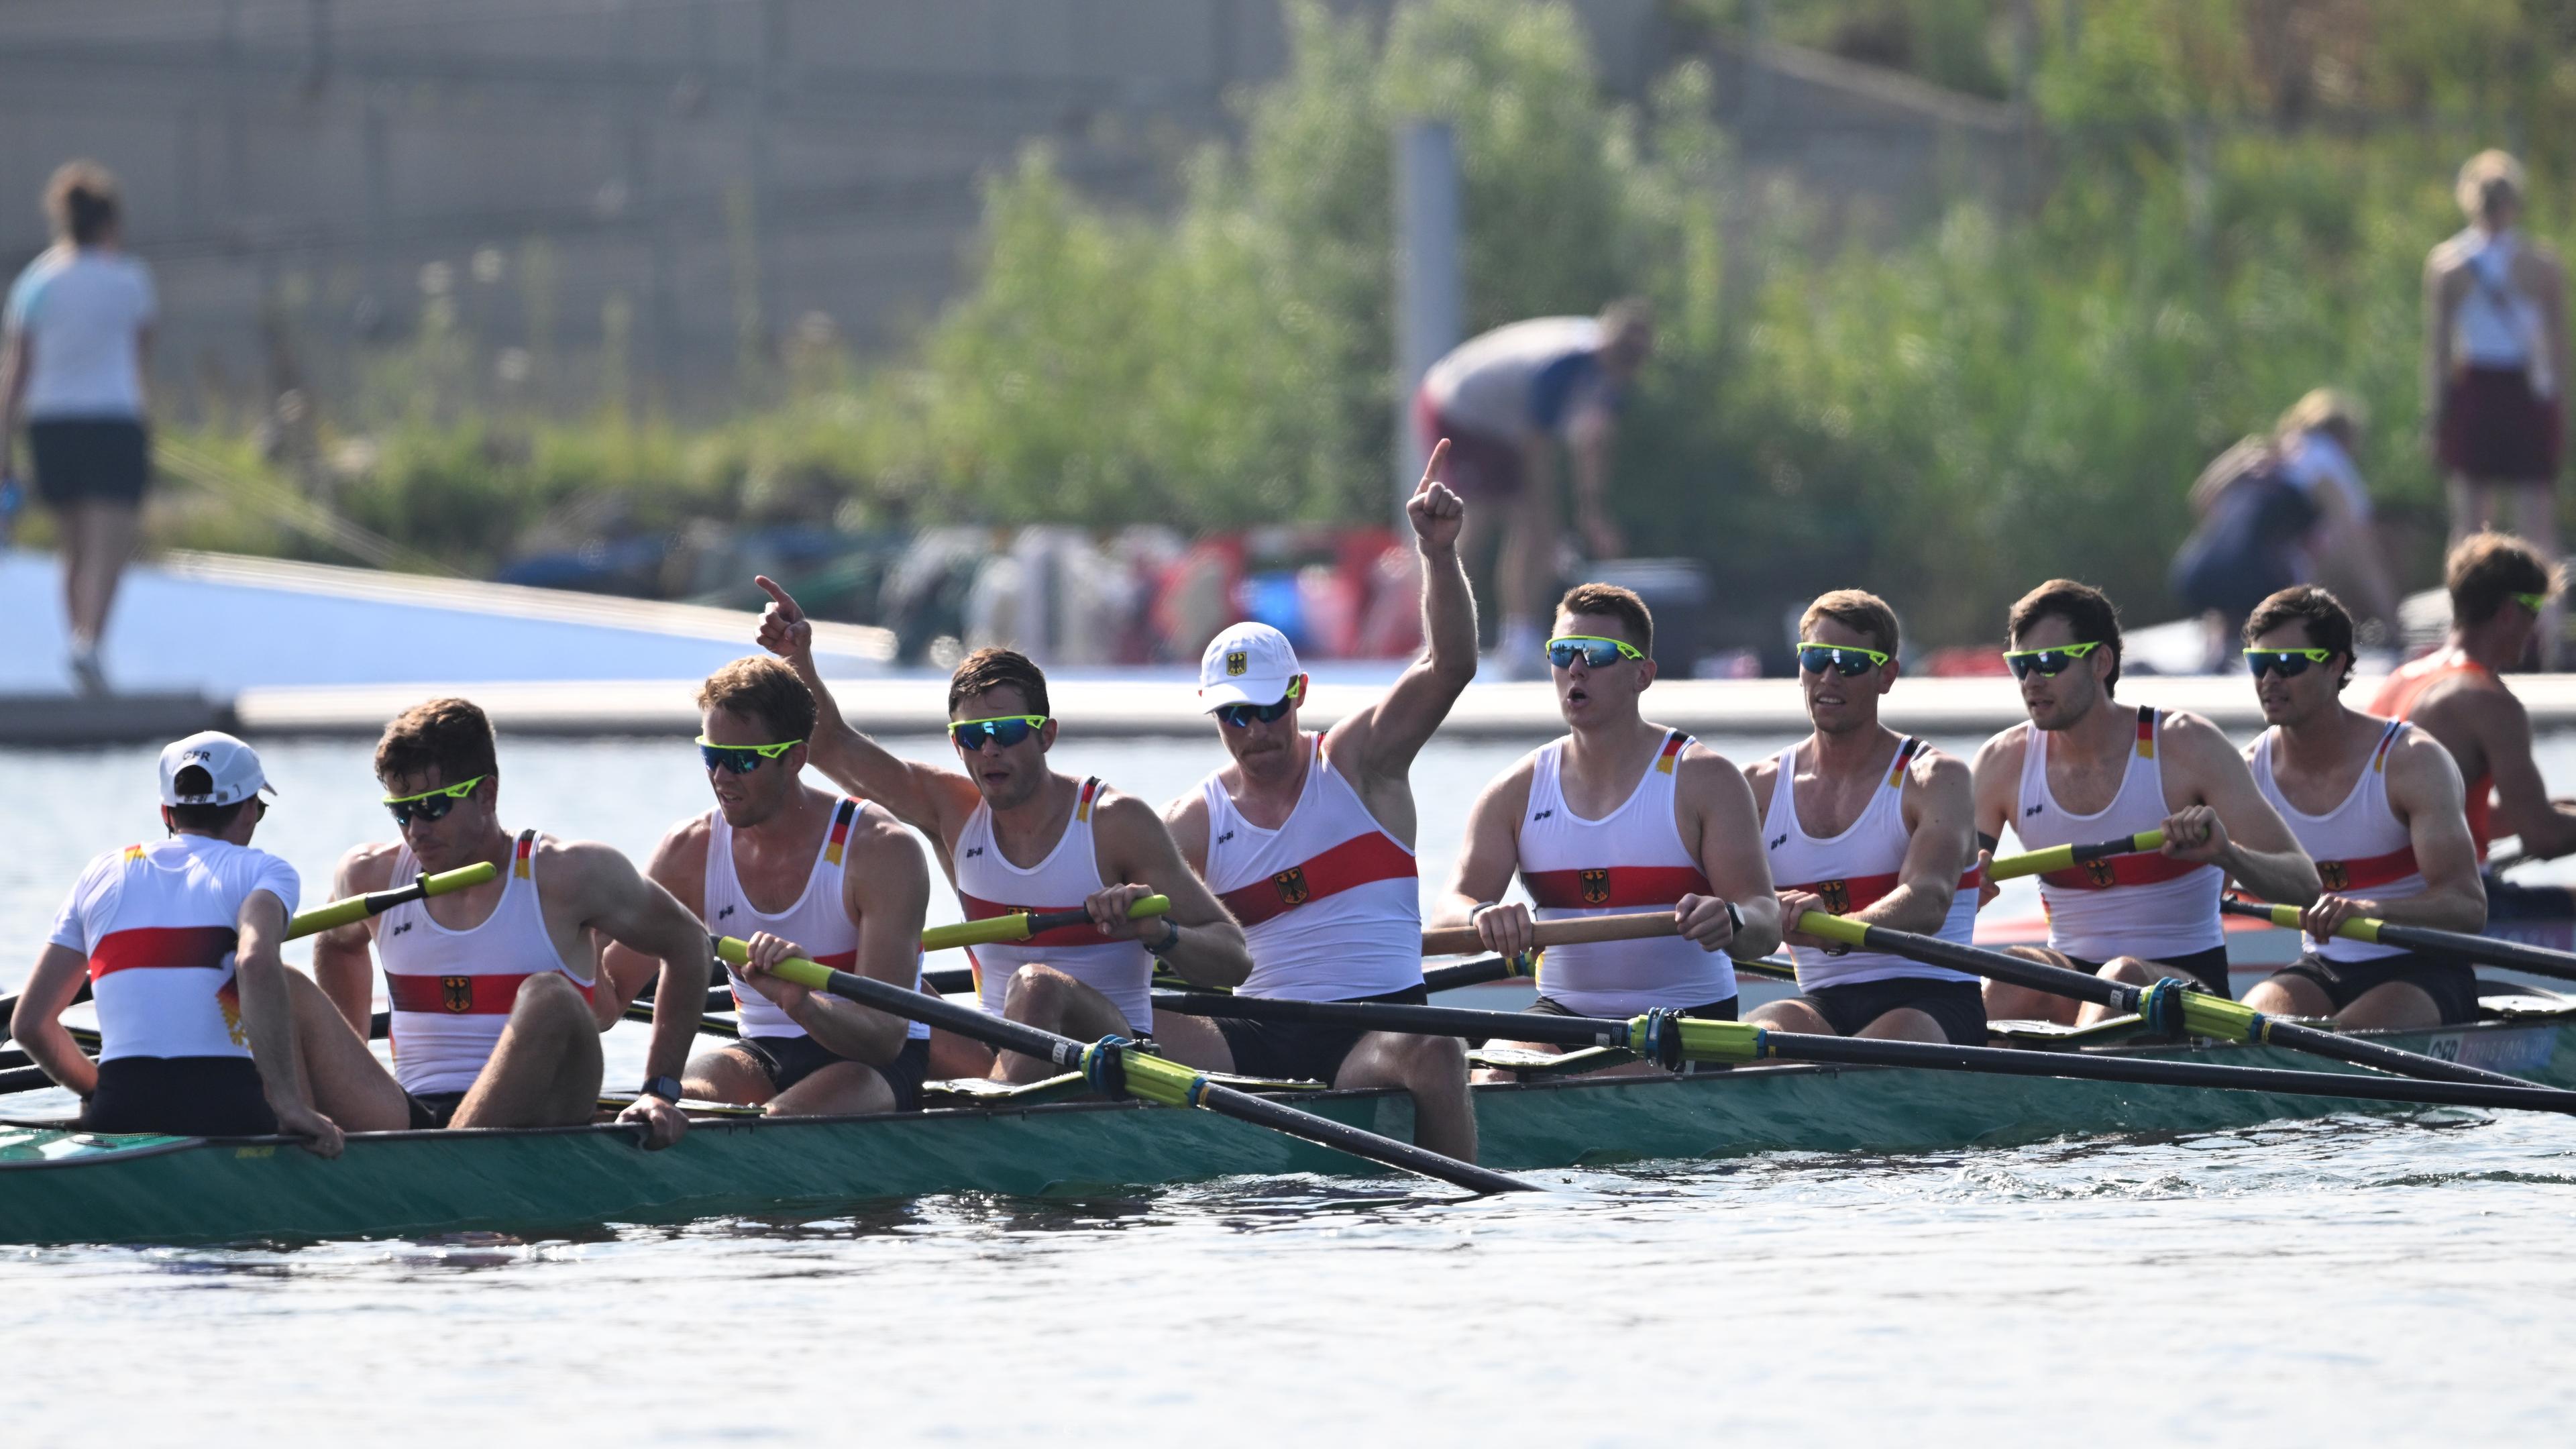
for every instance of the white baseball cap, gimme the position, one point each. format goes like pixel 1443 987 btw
pixel 1247 664
pixel 233 765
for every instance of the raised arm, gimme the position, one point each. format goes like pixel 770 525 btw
pixel 1137 851
pixel 1486 864
pixel 933 801
pixel 2230 824
pixel 1379 742
pixel 2522 803
pixel 342 964
pixel 268 1020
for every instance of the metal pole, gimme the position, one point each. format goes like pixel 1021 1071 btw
pixel 1428 305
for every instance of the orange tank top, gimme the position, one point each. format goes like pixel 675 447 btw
pixel 2396 700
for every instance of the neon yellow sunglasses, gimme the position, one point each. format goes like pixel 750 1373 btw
pixel 2288 663
pixel 2534 602
pixel 1592 649
pixel 2047 663
pixel 430 804
pixel 1006 729
pixel 741 759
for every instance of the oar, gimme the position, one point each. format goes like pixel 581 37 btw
pixel 2168 1005
pixel 1570 931
pixel 2067 857
pixel 2486 950
pixel 375 903
pixel 1020 925
pixel 1670 1040
pixel 1115 1069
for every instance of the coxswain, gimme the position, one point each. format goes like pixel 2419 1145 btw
pixel 492 985
pixel 2083 770
pixel 2500 590
pixel 1308 839
pixel 1861 821
pixel 793 871
pixel 203 1031
pixel 1085 846
pixel 2377 804
pixel 1620 816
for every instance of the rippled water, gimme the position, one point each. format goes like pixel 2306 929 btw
pixel 2352 1280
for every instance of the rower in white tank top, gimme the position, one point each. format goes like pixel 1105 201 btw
pixel 157 923
pixel 2145 904
pixel 819 921
pixel 988 885
pixel 1631 860
pixel 1852 870
pixel 452 991
pixel 2360 845
pixel 1331 903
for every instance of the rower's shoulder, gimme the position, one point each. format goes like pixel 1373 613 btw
pixel 2416 755
pixel 687 841
pixel 1698 770
pixel 556 858
pixel 1933 768
pixel 875 827
pixel 2003 748
pixel 1117 811
pixel 367 867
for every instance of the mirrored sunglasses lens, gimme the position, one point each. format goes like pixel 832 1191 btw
pixel 2288 666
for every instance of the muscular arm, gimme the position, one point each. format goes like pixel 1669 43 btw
pixel 267 1016
pixel 37 1024
pixel 2424 787
pixel 931 800
pixel 1730 853
pixel 2257 850
pixel 1996 781
pixel 342 964
pixel 1139 851
pixel 1378 743
pixel 679 865
pixel 1940 808
pixel 887 891
pixel 2522 803
pixel 1492 850
pixel 618 902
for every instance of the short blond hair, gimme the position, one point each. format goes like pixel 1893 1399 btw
pixel 1858 610
pixel 762 688
pixel 2483 176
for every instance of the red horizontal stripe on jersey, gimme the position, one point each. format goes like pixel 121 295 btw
pixel 485 995
pixel 2373 870
pixel 1355 862
pixel 1863 891
pixel 197 947
pixel 1614 887
pixel 1080 933
pixel 2138 868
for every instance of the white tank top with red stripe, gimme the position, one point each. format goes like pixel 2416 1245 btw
pixel 988 885
pixel 157 923
pixel 2146 904
pixel 1631 860
pixel 818 921
pixel 2359 846
pixel 1331 903
pixel 1852 870
pixel 452 990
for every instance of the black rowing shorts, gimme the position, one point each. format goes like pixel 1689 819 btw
pixel 431 1110
pixel 180 1097
pixel 2453 985
pixel 1959 1006
pixel 787 1060
pixel 2207 968
pixel 1292 1051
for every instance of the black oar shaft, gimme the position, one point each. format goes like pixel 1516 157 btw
pixel 2513 955
pixel 1573 1031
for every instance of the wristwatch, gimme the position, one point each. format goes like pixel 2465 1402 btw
pixel 666 1088
pixel 1171 938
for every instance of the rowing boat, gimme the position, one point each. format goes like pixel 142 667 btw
pixel 58 1186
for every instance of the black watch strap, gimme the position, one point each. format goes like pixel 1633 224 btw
pixel 1171 938
pixel 666 1088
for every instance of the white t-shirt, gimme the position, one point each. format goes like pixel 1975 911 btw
pixel 83 313
pixel 155 923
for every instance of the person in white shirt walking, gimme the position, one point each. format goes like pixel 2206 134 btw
pixel 74 342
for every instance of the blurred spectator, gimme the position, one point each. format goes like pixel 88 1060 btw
pixel 73 345
pixel 2495 359
pixel 1504 401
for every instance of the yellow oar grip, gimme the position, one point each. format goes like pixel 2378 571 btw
pixel 357 908
pixel 1840 929
pixel 1015 927
pixel 2062 857
pixel 734 951
pixel 2359 928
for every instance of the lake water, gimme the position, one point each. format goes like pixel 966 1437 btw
pixel 2340 1281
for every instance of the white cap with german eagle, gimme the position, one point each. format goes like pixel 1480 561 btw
pixel 1247 664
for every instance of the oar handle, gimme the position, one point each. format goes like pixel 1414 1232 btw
pixel 375 903
pixel 1020 925
pixel 2067 857
pixel 2487 950
pixel 1572 931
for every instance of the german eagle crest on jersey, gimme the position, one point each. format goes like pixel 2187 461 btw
pixel 1291 885
pixel 456 993
pixel 1836 895
pixel 1596 886
pixel 2100 873
pixel 2333 874
pixel 1237 661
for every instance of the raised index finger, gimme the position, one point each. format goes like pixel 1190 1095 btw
pixel 785 601
pixel 1431 468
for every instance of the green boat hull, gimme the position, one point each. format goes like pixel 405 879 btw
pixel 61 1187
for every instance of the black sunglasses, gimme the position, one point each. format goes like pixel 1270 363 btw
pixel 2288 663
pixel 429 804
pixel 2047 663
pixel 1241 716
